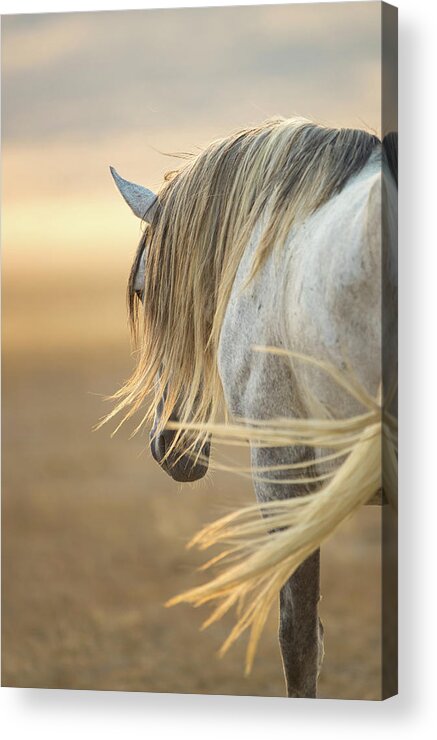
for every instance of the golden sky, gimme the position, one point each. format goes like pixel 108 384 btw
pixel 81 91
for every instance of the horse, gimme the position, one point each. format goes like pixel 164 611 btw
pixel 278 235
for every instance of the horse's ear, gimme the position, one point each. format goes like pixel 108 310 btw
pixel 141 200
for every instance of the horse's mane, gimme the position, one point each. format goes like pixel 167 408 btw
pixel 208 208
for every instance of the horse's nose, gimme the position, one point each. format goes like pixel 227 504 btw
pixel 182 468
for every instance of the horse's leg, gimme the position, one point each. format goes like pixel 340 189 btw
pixel 300 630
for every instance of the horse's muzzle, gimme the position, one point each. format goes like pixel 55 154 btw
pixel 182 468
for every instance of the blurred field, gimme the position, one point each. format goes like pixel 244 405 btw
pixel 94 532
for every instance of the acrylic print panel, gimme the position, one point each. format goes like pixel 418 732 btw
pixel 264 282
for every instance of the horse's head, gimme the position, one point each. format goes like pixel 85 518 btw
pixel 181 466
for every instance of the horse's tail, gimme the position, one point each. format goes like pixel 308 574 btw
pixel 262 552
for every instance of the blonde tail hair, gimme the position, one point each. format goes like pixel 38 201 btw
pixel 262 552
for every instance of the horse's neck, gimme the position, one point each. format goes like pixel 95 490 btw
pixel 320 295
pixel 255 384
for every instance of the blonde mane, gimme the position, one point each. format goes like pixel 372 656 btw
pixel 208 209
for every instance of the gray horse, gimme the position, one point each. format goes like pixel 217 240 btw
pixel 272 236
